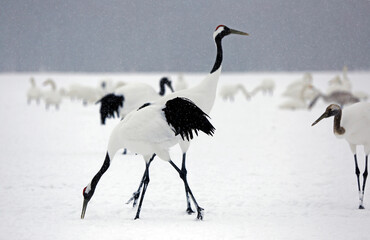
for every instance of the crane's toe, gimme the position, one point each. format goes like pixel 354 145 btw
pixel 200 213
pixel 189 211
pixel 135 197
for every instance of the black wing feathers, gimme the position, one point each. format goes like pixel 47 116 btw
pixel 110 104
pixel 185 117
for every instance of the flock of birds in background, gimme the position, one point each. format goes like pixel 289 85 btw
pixel 133 102
pixel 300 94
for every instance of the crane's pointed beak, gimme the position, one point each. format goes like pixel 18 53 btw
pixel 171 88
pixel 324 115
pixel 233 31
pixel 84 206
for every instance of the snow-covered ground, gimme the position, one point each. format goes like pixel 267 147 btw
pixel 266 173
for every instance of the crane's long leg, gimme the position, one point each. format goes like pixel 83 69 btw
pixel 189 210
pixel 136 195
pixel 363 185
pixel 187 188
pixel 146 182
pixel 357 171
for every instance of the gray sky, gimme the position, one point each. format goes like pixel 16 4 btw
pixel 176 35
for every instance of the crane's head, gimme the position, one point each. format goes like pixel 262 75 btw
pixel 87 193
pixel 222 31
pixel 331 110
pixel 165 82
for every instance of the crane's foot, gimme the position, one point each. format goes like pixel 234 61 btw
pixel 361 207
pixel 135 197
pixel 189 211
pixel 200 213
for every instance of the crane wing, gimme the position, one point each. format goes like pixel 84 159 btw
pixel 185 117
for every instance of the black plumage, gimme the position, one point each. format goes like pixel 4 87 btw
pixel 185 117
pixel 110 104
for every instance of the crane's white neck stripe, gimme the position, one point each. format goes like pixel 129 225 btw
pixel 218 31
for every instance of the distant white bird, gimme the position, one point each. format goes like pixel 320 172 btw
pixel 180 84
pixel 267 86
pixel 352 123
pixel 34 92
pixel 130 97
pixel 340 97
pixel 150 131
pixel 87 94
pixel 340 84
pixel 299 102
pixel 229 91
pixel 294 89
pixel 52 96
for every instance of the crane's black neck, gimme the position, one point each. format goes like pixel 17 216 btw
pixel 162 88
pixel 97 177
pixel 339 130
pixel 218 61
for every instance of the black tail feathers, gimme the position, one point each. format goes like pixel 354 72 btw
pixel 185 117
pixel 110 104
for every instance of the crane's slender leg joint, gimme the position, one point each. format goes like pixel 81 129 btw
pixel 360 193
pixel 136 195
pixel 363 185
pixel 145 186
pixel 184 173
pixel 187 188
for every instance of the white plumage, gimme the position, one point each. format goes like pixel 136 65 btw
pixel 34 92
pixel 155 137
pixel 152 130
pixel 267 86
pixel 352 123
pixel 129 97
pixel 229 91
pixel 52 96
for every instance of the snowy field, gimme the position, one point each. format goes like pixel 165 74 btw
pixel 266 173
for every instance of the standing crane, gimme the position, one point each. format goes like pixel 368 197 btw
pixel 151 131
pixel 352 123
pixel 130 97
pixel 203 95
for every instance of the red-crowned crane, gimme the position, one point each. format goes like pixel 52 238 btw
pixel 352 123
pixel 130 97
pixel 152 130
pixel 203 95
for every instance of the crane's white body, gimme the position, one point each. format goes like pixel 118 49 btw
pixel 203 95
pixel 352 123
pixel 356 122
pixel 144 132
pixel 147 131
pixel 135 94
